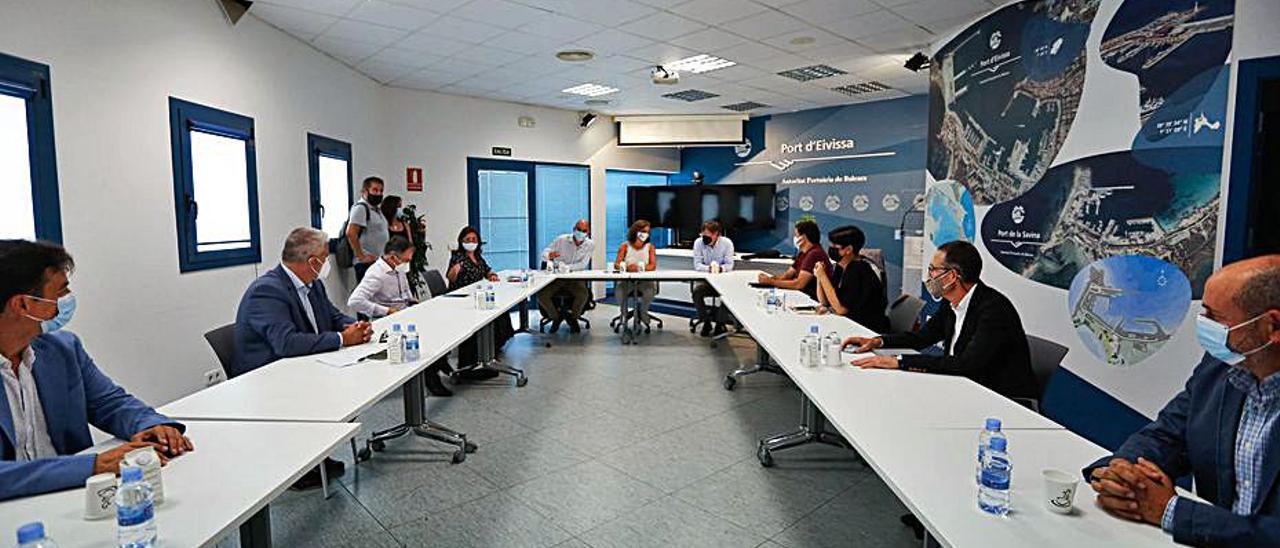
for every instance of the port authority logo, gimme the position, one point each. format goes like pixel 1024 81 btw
pixel 832 202
pixel 782 203
pixel 995 39
pixel 806 203
pixel 743 150
pixel 861 203
pixel 1018 215
pixel 890 202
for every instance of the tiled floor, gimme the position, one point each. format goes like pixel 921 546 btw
pixel 607 446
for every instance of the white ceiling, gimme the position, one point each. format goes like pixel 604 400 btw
pixel 504 49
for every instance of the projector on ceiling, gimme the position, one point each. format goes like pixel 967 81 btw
pixel 664 77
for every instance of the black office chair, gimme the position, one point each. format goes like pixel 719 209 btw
pixel 435 282
pixel 223 342
pixel 903 313
pixel 563 301
pixel 616 322
pixel 1046 356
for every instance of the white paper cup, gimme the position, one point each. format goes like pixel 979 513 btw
pixel 1059 491
pixel 100 496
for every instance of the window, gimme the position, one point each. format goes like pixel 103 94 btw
pixel 563 197
pixel 615 198
pixel 215 187
pixel 329 162
pixel 28 170
pixel 514 227
pixel 504 217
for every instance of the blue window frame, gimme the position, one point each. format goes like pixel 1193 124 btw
pixel 215 187
pixel 28 168
pixel 332 194
pixel 1244 205
pixel 520 206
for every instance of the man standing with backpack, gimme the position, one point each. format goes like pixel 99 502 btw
pixel 366 230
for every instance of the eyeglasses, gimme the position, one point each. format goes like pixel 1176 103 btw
pixel 933 269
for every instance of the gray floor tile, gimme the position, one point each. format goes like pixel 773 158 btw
pixel 474 418
pixel 600 433
pixel 496 520
pixel 584 496
pixel 659 412
pixel 864 515
pixel 410 479
pixel 307 519
pixel 664 463
pixel 755 497
pixel 518 459
pixel 574 542
pixel 670 523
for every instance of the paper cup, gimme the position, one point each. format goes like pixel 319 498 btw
pixel 100 496
pixel 1059 491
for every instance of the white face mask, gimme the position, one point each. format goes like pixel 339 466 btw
pixel 642 236
pixel 402 268
pixel 325 268
pixel 470 246
pixel 797 241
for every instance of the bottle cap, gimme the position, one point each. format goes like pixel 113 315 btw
pixel 813 329
pixel 395 327
pixel 993 424
pixel 131 474
pixel 999 444
pixel 31 532
pixel 413 328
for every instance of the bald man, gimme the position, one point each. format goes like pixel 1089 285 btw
pixel 1220 428
pixel 572 251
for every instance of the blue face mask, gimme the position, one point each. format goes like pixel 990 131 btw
pixel 66 309
pixel 579 235
pixel 1213 338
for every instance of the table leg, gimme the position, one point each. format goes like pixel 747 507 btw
pixel 489 353
pixel 763 364
pixel 523 308
pixel 324 480
pixel 256 533
pixel 416 422
pixel 812 429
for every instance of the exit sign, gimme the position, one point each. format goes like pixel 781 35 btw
pixel 501 151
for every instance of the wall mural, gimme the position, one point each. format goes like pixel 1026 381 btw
pixel 1124 236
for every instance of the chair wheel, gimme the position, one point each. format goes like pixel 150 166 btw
pixel 729 381
pixel 646 330
pixel 364 455
pixel 458 457
pixel 378 446
pixel 522 381
pixel 766 458
pixel 470 447
pixel 548 345
pixel 713 345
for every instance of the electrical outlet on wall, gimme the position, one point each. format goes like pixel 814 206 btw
pixel 214 376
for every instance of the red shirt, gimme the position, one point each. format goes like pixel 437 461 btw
pixel 805 262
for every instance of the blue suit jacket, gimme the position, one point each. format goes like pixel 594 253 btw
pixel 73 395
pixel 1196 433
pixel 271 323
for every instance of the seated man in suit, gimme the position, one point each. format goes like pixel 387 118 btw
pixel 52 389
pixel 980 330
pixel 286 312
pixel 1220 428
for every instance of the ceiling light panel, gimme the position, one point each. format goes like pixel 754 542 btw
pixel 690 95
pixel 860 88
pixel 590 90
pixel 699 64
pixel 744 106
pixel 812 72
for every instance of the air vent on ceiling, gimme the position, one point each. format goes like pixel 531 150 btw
pixel 870 86
pixel 744 106
pixel 813 72
pixel 690 95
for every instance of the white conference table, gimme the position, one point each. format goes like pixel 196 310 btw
pixel 629 330
pixel 237 469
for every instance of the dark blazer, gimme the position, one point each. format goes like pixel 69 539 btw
pixel 73 394
pixel 271 323
pixel 1195 434
pixel 991 348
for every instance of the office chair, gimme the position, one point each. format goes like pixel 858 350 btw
pixel 1046 356
pixel 617 321
pixel 563 301
pixel 903 313
pixel 223 342
pixel 435 282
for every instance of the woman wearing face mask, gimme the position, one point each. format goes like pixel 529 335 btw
pixel 467 266
pixel 851 288
pixel 637 255
pixel 392 210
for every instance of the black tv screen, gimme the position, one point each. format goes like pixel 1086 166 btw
pixel 743 210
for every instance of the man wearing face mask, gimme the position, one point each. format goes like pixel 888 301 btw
pixel 52 389
pixel 809 254
pixel 367 229
pixel 1220 428
pixel 385 288
pixel 573 251
pixel 710 249
pixel 980 330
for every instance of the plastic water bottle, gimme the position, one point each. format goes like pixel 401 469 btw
pixel 989 431
pixel 412 352
pixel 831 350
pixel 135 511
pixel 32 535
pixel 395 345
pixel 490 297
pixel 772 303
pixel 993 493
pixel 811 348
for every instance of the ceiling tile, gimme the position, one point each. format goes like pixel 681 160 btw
pixel 912 38
pixel 607 42
pixel 867 24
pixel 358 31
pixel 737 73
pixel 346 50
pixel 329 7
pixel 523 42
pixel 843 51
pixel 427 42
pixel 819 11
pixel 804 40
pixel 415 59
pixel 561 27
pixel 660 53
pixel 714 12
pixel 438 6
pixel 749 52
pixel 764 25
pixel 301 23
pixel 708 40
pixel 543 63
pixel 384 72
pixel 485 55
pixel 778 3
pixel 392 15
pixel 460 29
pixel 943 27
pixel 782 62
pixel 482 82
pixel 928 11
pixel 662 26
pixel 499 13
pixel 451 66
pixel 609 13
pixel 664 4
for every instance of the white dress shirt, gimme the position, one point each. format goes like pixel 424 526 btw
pixel 382 288
pixel 304 291
pixel 721 252
pixel 961 309
pixel 24 406
pixel 576 256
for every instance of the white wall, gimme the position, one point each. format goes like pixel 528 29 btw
pixel 113 66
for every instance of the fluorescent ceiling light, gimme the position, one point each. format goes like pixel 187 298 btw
pixel 699 64
pixel 590 90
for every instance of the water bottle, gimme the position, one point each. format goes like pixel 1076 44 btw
pixel 412 352
pixel 135 511
pixel 490 297
pixel 991 430
pixel 479 296
pixel 395 345
pixel 810 348
pixel 771 302
pixel 831 350
pixel 993 493
pixel 32 535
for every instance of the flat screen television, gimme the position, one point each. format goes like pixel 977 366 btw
pixel 745 212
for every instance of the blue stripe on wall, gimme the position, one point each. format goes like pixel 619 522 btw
pixel 1086 410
